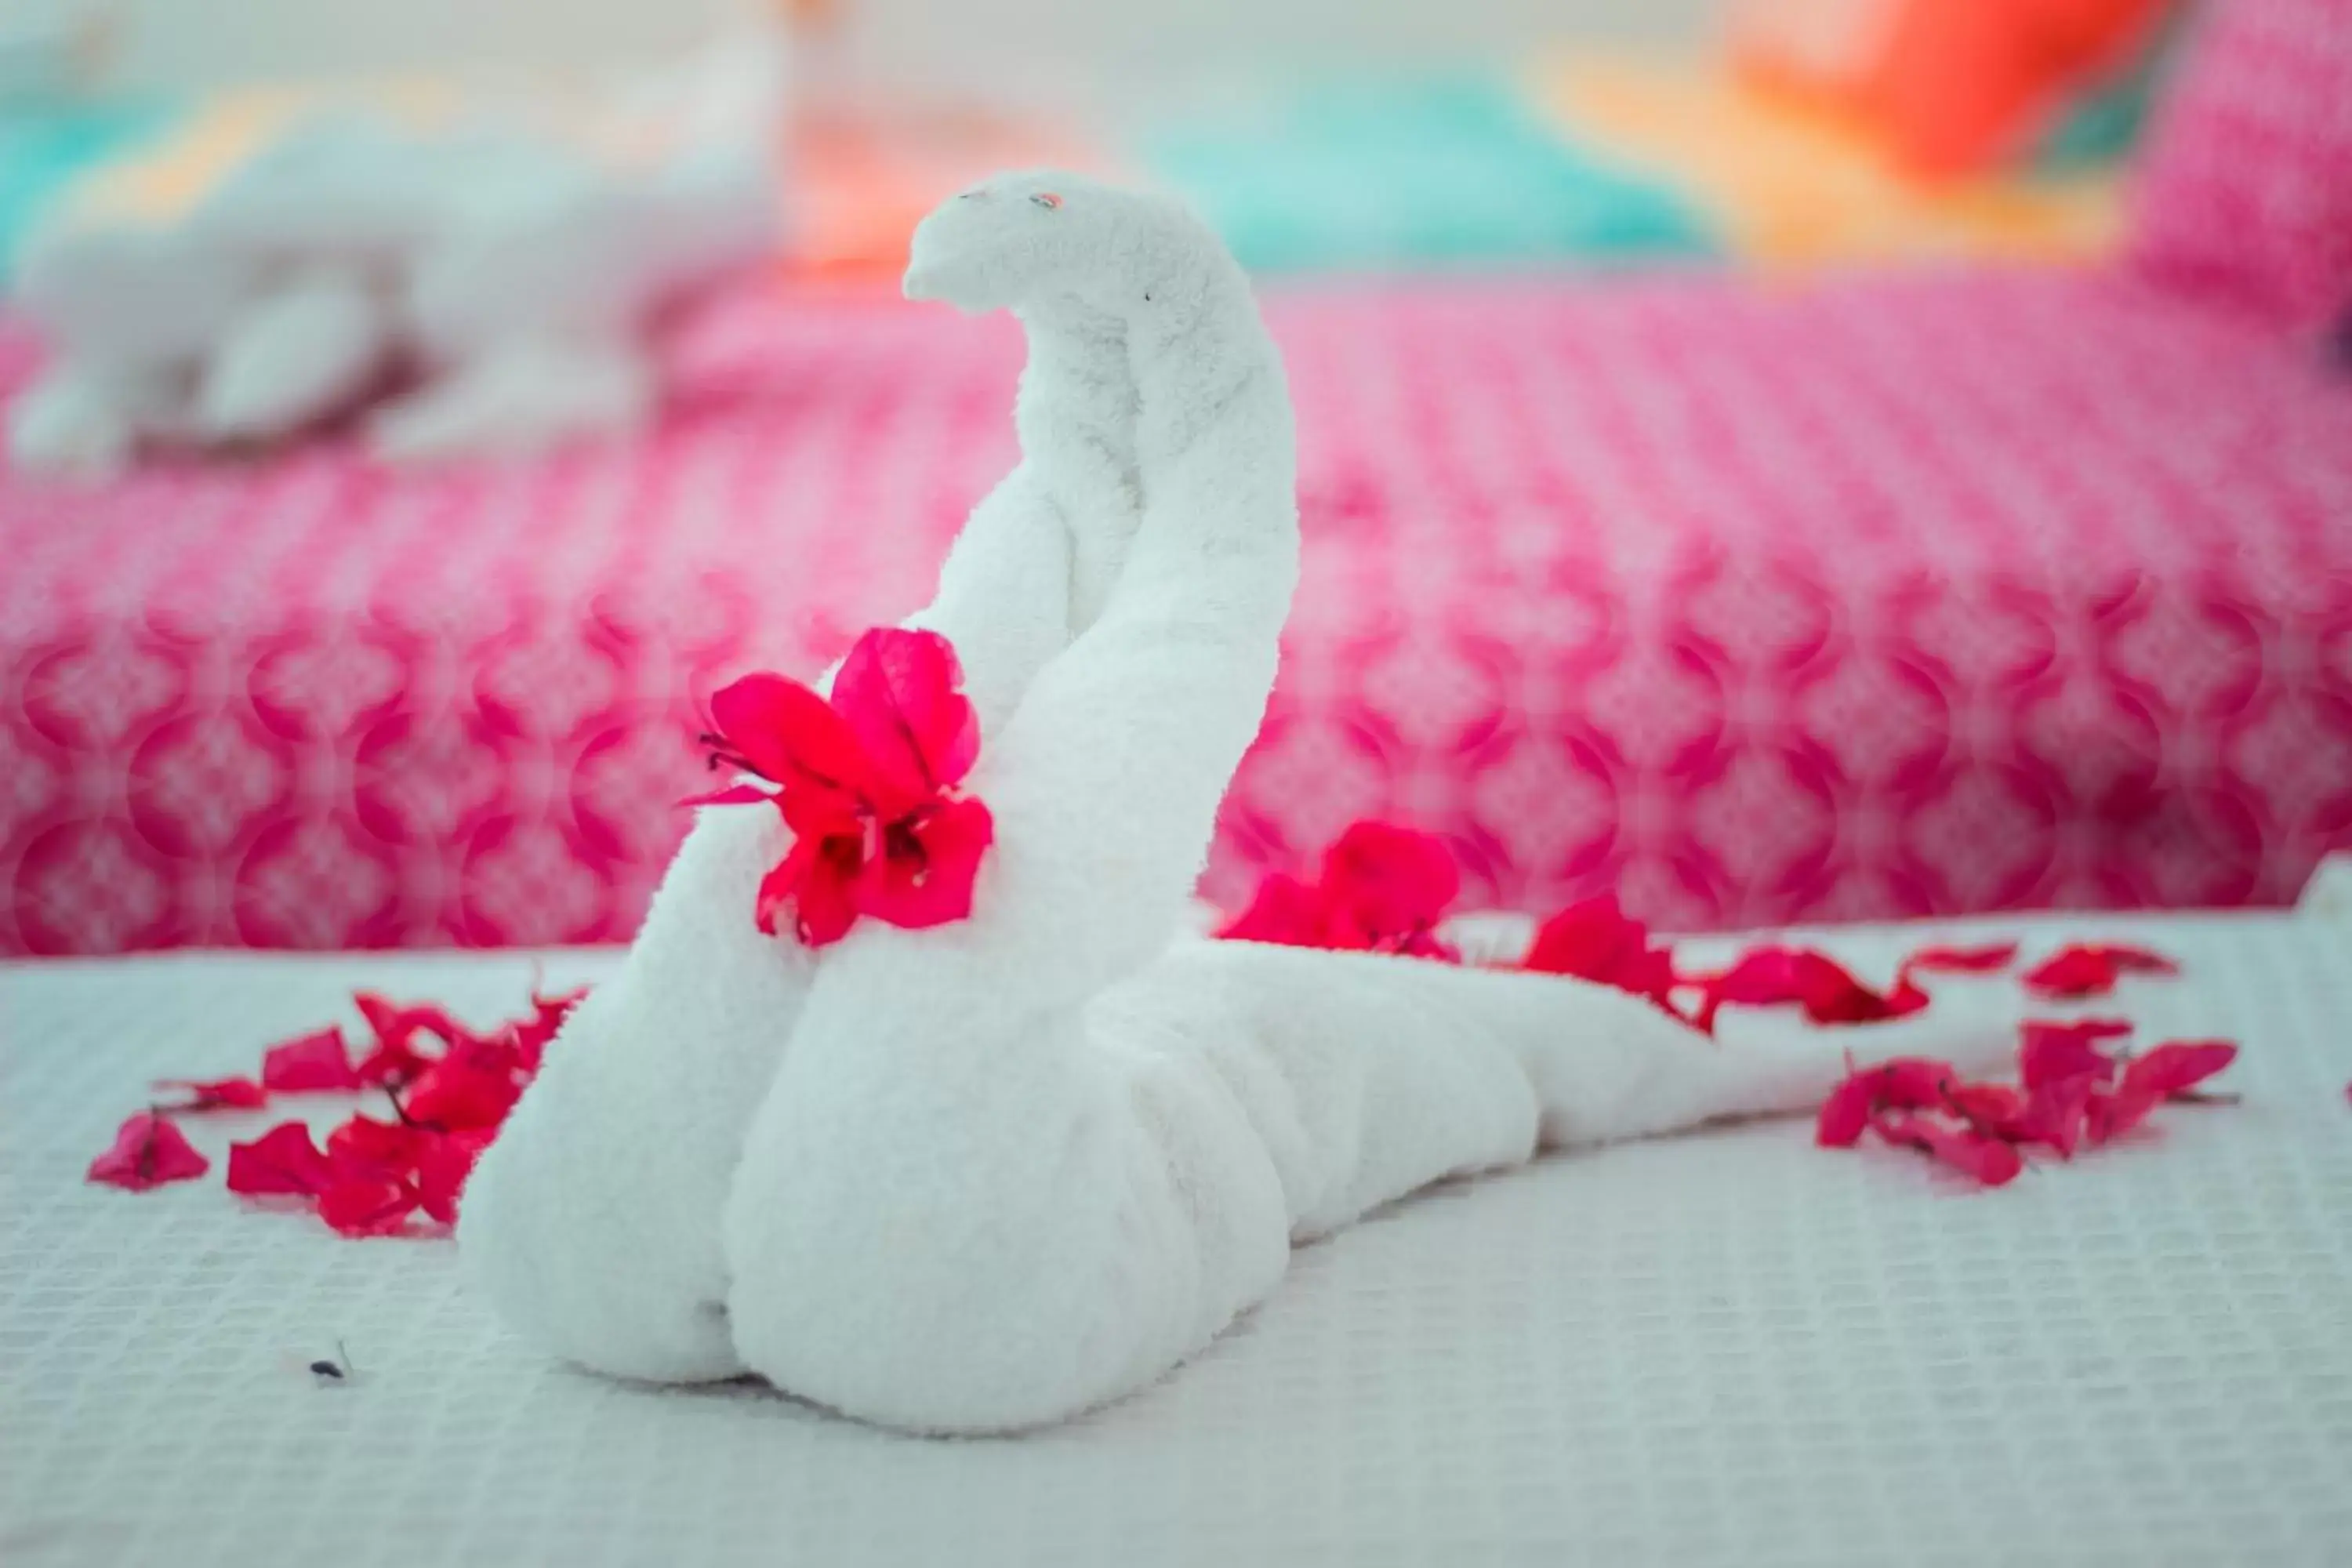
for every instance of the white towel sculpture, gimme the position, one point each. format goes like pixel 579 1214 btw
pixel 509 251
pixel 986 1176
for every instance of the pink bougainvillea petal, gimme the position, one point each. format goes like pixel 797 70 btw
pixel 442 1167
pixel 2109 1115
pixel 533 1034
pixel 731 795
pixel 363 1146
pixel 815 884
pixel 1595 941
pixel 1914 1083
pixel 788 735
pixel 896 691
pixel 925 872
pixel 2053 1115
pixel 1396 881
pixel 2048 1052
pixel 2176 1067
pixel 1284 911
pixel 451 1096
pixel 371 1175
pixel 282 1162
pixel 1986 960
pixel 367 1206
pixel 1382 888
pixel 1992 1109
pixel 1905 1083
pixel 211 1094
pixel 147 1152
pixel 1988 1161
pixel 315 1062
pixel 1829 993
pixel 2091 969
pixel 1846 1112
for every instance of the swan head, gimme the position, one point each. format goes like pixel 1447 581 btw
pixel 1035 239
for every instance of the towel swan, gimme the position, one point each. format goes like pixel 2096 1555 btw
pixel 1013 1168
pixel 626 1143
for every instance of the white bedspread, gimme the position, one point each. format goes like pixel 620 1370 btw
pixel 1730 1348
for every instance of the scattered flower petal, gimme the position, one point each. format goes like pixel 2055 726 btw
pixel 281 1162
pixel 1961 960
pixel 2047 1052
pixel 212 1094
pixel 2111 1115
pixel 1904 1083
pixel 147 1152
pixel 1845 1114
pixel 1392 885
pixel 1992 1109
pixel 315 1062
pixel 1285 911
pixel 442 1168
pixel 2176 1067
pixel 2091 969
pixel 1381 888
pixel 1769 976
pixel 365 1147
pixel 1596 940
pixel 454 1095
pixel 2054 1115
pixel 1990 1161
pixel 367 1206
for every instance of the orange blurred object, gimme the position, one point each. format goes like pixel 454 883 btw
pixel 1962 83
pixel 1947 88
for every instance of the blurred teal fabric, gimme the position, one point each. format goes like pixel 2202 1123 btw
pixel 44 149
pixel 1387 173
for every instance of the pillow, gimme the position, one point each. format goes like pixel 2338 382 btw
pixel 2245 191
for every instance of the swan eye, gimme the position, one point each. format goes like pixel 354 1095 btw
pixel 1047 199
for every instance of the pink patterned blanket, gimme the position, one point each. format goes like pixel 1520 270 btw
pixel 1915 595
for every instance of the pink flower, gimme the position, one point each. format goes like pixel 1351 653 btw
pixel 866 782
pixel 148 1152
pixel 1906 1083
pixel 316 1061
pixel 1382 889
pixel 1961 960
pixel 2048 1053
pixel 214 1094
pixel 2091 969
pixel 1767 976
pixel 1988 1161
pixel 1595 941
pixel 282 1162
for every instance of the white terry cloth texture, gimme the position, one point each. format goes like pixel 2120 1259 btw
pixel 1012 1168
pixel 632 1139
pixel 1730 1348
pixel 511 258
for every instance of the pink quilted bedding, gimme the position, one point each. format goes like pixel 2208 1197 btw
pixel 1919 595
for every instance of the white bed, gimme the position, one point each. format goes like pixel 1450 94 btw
pixel 1729 1348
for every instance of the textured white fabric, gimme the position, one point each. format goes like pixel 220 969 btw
pixel 1725 1348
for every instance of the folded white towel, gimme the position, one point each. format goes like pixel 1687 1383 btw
pixel 983 1176
pixel 512 255
pixel 1013 1168
pixel 626 1144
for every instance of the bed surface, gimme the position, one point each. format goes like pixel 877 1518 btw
pixel 1913 594
pixel 1729 1348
